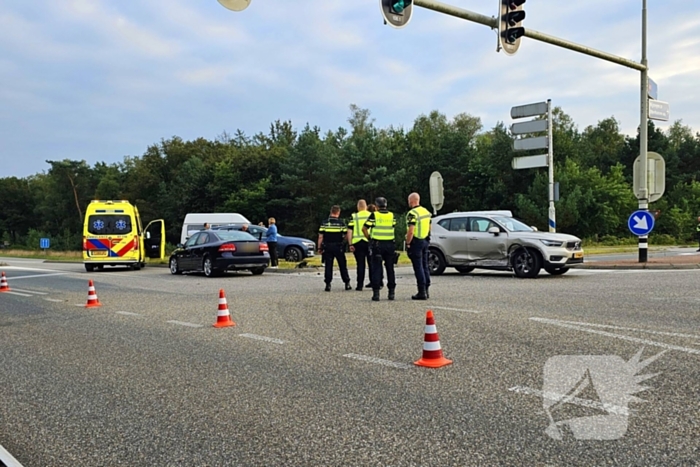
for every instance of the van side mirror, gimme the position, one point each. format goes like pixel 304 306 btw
pixel 494 230
pixel 533 228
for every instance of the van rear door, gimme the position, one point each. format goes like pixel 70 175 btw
pixel 155 239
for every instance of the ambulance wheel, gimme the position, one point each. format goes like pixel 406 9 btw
pixel 136 266
pixel 89 267
pixel 100 267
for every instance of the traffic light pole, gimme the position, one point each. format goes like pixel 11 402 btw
pixel 643 67
pixel 552 212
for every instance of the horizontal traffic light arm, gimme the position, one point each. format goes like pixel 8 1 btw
pixel 492 22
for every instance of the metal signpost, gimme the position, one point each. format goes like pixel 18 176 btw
pixel 537 142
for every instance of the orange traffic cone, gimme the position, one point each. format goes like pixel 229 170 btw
pixel 3 283
pixel 92 300
pixel 432 352
pixel 223 317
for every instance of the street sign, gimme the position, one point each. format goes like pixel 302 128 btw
pixel 526 144
pixel 528 110
pixel 437 195
pixel 530 162
pixel 659 110
pixel 656 177
pixel 641 223
pixel 396 13
pixel 44 243
pixel 533 126
pixel 653 90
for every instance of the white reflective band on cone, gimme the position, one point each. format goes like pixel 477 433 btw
pixel 431 345
pixel 430 329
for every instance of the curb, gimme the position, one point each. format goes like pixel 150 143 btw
pixel 666 266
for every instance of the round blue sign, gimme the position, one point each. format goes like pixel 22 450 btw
pixel 641 223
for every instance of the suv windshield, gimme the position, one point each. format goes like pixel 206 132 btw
pixel 513 225
pixel 109 224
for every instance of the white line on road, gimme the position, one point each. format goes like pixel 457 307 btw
pixel 379 361
pixel 191 325
pixel 33 276
pixel 127 313
pixel 31 291
pixel 262 338
pixel 17 293
pixel 555 397
pixel 55 300
pixel 7 459
pixel 453 309
pixel 661 333
pixel 617 336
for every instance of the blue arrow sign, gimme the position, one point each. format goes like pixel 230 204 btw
pixel 44 243
pixel 641 223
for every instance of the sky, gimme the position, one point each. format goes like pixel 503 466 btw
pixel 98 80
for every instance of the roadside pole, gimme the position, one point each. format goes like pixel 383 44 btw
pixel 552 210
pixel 643 135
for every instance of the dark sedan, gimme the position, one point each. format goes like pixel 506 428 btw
pixel 217 252
pixel 292 249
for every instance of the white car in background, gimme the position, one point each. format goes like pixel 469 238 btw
pixel 496 240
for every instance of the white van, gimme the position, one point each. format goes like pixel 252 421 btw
pixel 194 222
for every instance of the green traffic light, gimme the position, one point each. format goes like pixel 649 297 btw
pixel 400 5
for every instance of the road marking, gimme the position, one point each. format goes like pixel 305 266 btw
pixel 33 276
pixel 262 338
pixel 7 459
pixel 555 397
pixel 17 293
pixel 191 325
pixel 617 336
pixel 127 313
pixel 53 300
pixel 379 361
pixel 453 309
pixel 661 333
pixel 31 291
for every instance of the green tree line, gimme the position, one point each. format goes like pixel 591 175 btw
pixel 295 176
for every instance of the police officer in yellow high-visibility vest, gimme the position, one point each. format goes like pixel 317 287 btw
pixel 697 232
pixel 417 242
pixel 331 235
pixel 359 245
pixel 379 229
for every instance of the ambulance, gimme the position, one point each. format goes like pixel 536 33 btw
pixel 114 236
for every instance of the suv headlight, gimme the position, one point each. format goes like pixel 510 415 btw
pixel 310 246
pixel 552 243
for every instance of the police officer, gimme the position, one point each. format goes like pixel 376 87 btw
pixel 382 224
pixel 697 232
pixel 358 243
pixel 330 244
pixel 417 242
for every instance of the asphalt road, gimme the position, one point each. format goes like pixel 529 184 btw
pixel 314 378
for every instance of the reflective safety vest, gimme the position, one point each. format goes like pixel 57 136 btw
pixel 383 228
pixel 697 228
pixel 358 221
pixel 422 217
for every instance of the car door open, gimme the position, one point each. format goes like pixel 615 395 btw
pixel 154 241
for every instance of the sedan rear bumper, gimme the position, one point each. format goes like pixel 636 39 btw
pixel 242 262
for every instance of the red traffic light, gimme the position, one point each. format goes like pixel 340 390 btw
pixel 513 4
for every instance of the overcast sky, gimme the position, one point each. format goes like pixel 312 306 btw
pixel 102 79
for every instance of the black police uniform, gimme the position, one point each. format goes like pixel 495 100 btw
pixel 382 251
pixel 334 231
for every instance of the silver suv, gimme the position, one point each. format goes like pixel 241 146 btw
pixel 495 240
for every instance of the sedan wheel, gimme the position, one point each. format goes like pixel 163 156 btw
pixel 174 266
pixel 208 269
pixel 526 263
pixel 293 254
pixel 436 263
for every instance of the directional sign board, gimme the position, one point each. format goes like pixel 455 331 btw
pixel 533 126
pixel 653 89
pixel 44 243
pixel 641 223
pixel 526 144
pixel 528 110
pixel 659 110
pixel 530 162
pixel 656 177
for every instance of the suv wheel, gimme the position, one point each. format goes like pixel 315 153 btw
pixel 556 271
pixel 293 254
pixel 436 262
pixel 526 263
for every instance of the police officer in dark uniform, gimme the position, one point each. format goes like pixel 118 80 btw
pixel 330 244
pixel 379 230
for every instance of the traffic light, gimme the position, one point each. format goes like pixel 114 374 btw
pixel 396 13
pixel 509 29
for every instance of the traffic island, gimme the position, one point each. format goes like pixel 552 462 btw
pixel 683 261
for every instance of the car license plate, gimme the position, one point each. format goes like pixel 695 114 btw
pixel 578 255
pixel 98 253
